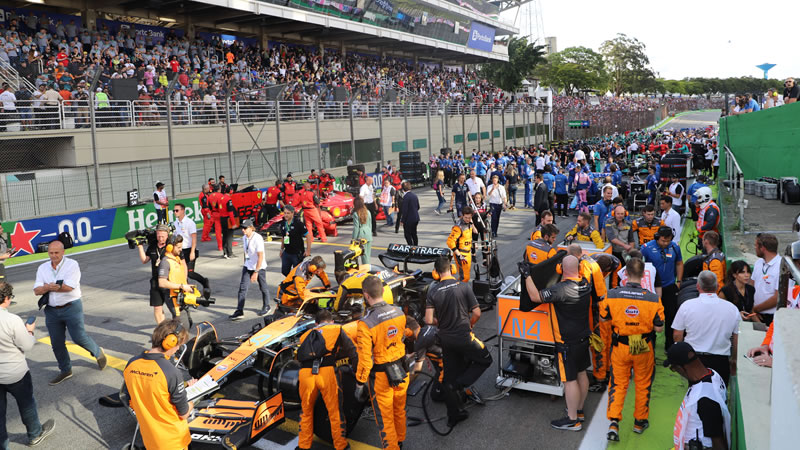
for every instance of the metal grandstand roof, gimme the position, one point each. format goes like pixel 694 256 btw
pixel 252 17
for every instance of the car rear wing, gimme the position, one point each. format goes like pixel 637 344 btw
pixel 411 254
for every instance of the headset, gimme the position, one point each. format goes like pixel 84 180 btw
pixel 658 234
pixel 435 275
pixel 170 243
pixel 171 340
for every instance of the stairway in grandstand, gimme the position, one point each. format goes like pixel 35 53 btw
pixel 9 75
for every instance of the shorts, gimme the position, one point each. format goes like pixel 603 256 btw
pixel 573 358
pixel 158 296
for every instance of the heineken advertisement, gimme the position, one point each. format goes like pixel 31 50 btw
pixel 90 226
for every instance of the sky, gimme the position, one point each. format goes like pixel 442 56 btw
pixel 700 38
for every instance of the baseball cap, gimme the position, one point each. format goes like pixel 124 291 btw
pixel 247 223
pixel 678 354
pixel 288 174
pixel 159 184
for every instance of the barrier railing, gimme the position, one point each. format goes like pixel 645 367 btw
pixel 734 183
pixel 32 115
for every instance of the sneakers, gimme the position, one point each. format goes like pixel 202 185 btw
pixel 236 315
pixel 462 415
pixel 613 431
pixel 61 377
pixel 565 423
pixel 102 361
pixel 640 425
pixel 264 311
pixel 581 416
pixel 47 430
pixel 472 394
pixel 225 257
pixel 438 213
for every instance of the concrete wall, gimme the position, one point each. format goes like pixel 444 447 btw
pixel 785 400
pixel 119 145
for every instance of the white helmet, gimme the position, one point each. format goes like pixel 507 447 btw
pixel 703 195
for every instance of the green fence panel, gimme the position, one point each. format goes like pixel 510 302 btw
pixel 419 143
pixel 509 133
pixel 484 135
pixel 399 146
pixel 764 143
pixel 496 133
pixel 458 139
pixel 472 137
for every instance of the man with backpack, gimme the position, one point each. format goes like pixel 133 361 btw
pixel 319 350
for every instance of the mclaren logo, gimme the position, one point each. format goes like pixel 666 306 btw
pixel 268 413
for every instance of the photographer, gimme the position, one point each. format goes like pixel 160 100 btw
pixel 154 255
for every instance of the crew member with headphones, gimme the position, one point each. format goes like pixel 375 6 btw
pixel 460 242
pixel 154 389
pixel 293 287
pixel 172 271
pixel 351 285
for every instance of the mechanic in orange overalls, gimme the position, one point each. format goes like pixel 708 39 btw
pixel 541 249
pixel 293 287
pixel 647 225
pixel 547 218
pixel 214 200
pixel 318 377
pixel 714 258
pixel 310 203
pixel 380 363
pixel 460 243
pixel 205 211
pixel 636 315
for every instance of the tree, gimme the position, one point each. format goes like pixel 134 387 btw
pixel 523 58
pixel 573 69
pixel 628 65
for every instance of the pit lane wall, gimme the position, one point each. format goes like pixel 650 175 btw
pixel 97 226
pixel 764 142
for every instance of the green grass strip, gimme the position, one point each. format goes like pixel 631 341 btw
pixel 81 248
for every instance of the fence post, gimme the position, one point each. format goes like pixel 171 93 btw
pixel 94 147
pixel 428 117
pixel 380 128
pixel 352 135
pixel 514 122
pixel 444 131
pixel 316 123
pixel 479 130
pixel 491 125
pixel 463 130
pixel 169 138
pixel 405 122
pixel 526 115
pixel 227 132
pixel 503 126
pixel 279 169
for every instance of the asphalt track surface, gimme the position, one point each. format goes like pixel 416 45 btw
pixel 118 316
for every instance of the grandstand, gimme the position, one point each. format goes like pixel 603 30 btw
pixel 285 79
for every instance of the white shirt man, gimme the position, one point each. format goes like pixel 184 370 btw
pixel 672 219
pixel 580 155
pixel 254 269
pixel 648 278
pixel 9 101
pixel 367 193
pixel 676 189
pixel 253 245
pixel 614 190
pixel 476 185
pixel 539 163
pixel 634 147
pixel 765 279
pixel 68 272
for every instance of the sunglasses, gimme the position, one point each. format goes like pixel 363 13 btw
pixel 177 210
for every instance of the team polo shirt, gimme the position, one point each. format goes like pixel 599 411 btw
pixel 452 302
pixel 461 191
pixel 157 395
pixel 663 259
pixel 571 300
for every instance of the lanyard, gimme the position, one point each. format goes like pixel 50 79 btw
pixel 765 268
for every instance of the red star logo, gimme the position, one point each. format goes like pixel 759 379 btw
pixel 21 238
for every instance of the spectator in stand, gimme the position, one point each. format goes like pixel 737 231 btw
pixel 9 102
pixel 791 91
pixel 710 325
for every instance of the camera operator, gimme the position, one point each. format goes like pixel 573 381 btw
pixel 154 255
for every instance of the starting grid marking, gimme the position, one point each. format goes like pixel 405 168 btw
pixel 289 425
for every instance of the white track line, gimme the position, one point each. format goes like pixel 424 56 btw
pixel 594 438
